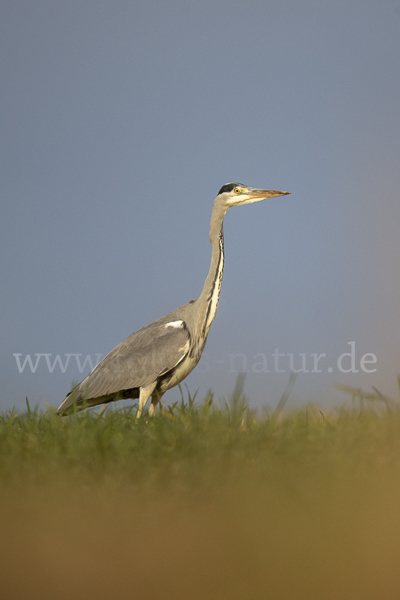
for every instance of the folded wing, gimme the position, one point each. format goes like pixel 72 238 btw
pixel 136 362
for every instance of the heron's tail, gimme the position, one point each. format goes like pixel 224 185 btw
pixel 73 402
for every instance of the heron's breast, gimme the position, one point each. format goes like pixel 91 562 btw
pixel 179 373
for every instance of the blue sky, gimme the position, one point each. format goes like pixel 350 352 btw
pixel 120 122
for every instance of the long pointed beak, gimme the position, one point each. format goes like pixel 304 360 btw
pixel 262 194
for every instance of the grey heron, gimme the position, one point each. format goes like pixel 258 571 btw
pixel 160 355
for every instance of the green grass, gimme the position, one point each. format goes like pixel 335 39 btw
pixel 201 501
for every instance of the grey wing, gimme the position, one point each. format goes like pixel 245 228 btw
pixel 137 362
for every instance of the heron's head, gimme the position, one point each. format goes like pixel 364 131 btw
pixel 233 194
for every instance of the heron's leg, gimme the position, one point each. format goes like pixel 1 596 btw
pixel 144 395
pixel 155 399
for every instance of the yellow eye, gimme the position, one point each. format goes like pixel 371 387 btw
pixel 237 190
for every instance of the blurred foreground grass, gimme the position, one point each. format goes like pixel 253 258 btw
pixel 201 502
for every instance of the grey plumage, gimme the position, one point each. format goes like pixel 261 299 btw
pixel 161 354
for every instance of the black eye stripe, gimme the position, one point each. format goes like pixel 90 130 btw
pixel 229 187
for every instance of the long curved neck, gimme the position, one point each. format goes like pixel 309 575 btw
pixel 209 297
